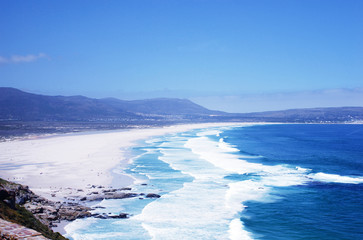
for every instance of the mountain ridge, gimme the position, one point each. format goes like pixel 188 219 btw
pixel 17 105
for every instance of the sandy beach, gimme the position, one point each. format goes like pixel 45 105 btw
pixel 68 165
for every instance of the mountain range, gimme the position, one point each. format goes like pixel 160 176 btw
pixel 23 106
pixel 16 105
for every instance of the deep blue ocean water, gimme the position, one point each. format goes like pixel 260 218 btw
pixel 317 209
pixel 281 181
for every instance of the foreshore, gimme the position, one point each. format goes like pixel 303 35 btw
pixel 69 166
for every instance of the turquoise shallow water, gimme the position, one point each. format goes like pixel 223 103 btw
pixel 256 182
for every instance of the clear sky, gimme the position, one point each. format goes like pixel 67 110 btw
pixel 231 55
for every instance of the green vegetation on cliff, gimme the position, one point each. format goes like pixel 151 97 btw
pixel 23 217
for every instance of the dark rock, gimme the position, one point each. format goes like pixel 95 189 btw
pixel 125 188
pixel 36 199
pixel 152 195
pixel 73 204
pixel 100 207
pixel 130 195
pixel 39 210
pixel 9 198
pixel 10 203
pixel 115 195
pixel 96 198
pixel 4 194
pixel 52 217
pixel 105 216
pixel 83 199
pixel 70 213
pixel 101 216
pixel 24 188
pixel 109 190
pixel 121 215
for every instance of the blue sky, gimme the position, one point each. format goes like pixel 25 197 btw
pixel 229 55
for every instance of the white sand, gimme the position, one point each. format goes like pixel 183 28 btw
pixel 67 165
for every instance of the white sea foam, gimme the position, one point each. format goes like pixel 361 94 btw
pixel 96 236
pixel 205 208
pixel 227 147
pixel 324 177
pixel 225 159
pixel 222 155
pixel 242 191
pixel 112 205
pixel 210 132
pixel 209 206
pixel 178 159
pixel 195 211
pixel 236 231
pixel 78 224
pixel 300 169
pixel 192 212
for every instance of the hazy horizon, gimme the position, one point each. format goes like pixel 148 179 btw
pixel 234 56
pixel 262 102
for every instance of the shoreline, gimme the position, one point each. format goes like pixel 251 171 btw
pixel 69 168
pixel 64 166
pixel 106 192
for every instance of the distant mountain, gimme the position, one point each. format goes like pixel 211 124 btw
pixel 161 106
pixel 16 105
pixel 19 105
pixel 314 115
pixel 22 106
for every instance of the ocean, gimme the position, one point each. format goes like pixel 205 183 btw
pixel 273 181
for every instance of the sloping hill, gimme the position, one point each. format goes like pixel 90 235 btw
pixel 161 106
pixel 19 105
pixel 22 106
pixel 331 114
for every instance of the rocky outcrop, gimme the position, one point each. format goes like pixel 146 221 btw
pixel 51 212
pixel 44 210
pixel 11 210
pixel 108 195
